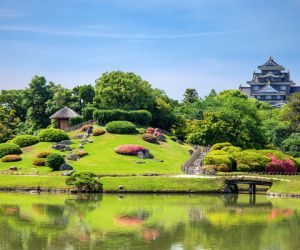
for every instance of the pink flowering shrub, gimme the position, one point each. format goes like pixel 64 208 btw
pixel 276 165
pixel 129 149
pixel 150 130
pixel 157 134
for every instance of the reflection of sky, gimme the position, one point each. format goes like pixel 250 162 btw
pixel 173 44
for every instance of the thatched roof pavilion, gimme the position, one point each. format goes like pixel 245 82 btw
pixel 63 117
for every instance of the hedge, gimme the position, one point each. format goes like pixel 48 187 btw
pixel 87 113
pixel 25 140
pixel 52 135
pixel 252 158
pixel 9 149
pixel 120 127
pixel 76 120
pixel 142 117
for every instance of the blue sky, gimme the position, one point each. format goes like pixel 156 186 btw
pixel 173 44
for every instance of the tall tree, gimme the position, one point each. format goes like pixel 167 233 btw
pixel 291 112
pixel 85 94
pixel 38 95
pixel 8 123
pixel 190 96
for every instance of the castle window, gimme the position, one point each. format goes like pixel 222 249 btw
pixel 255 87
pixel 258 97
pixel 282 87
pixel 278 97
pixel 268 97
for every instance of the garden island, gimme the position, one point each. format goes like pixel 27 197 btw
pixel 125 136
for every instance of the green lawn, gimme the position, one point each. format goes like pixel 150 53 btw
pixel 103 160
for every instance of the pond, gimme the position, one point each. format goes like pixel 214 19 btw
pixel 145 222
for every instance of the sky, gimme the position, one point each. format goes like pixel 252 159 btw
pixel 172 44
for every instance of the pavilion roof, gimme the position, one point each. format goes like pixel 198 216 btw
pixel 64 113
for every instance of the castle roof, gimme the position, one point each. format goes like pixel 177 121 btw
pixel 271 65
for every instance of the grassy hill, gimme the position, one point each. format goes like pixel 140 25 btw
pixel 103 160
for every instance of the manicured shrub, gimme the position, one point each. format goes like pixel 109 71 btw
pixel 84 181
pixel 216 160
pixel 84 128
pixel 282 166
pixel 11 158
pixel 98 131
pixel 150 130
pixel 39 162
pixel 243 168
pixel 54 161
pixel 149 138
pixel 231 149
pixel 129 149
pixel 223 168
pixel 82 153
pixel 25 140
pixel 105 116
pixel 219 146
pixel 87 113
pixel 52 135
pixel 76 120
pixel 120 127
pixel 209 169
pixel 142 117
pixel 297 162
pixel 255 160
pixel 9 148
pixel 43 154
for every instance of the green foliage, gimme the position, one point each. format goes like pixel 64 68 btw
pixel 52 135
pixel 84 181
pixel 291 145
pixel 219 157
pixel 122 90
pixel 121 127
pixel 8 124
pixel 141 117
pixel 85 94
pixel 231 149
pixel 190 96
pixel 54 161
pixel 25 140
pixel 88 112
pixel 253 158
pixel 291 111
pixel 9 149
pixel 232 93
pixel 243 168
pixel 219 146
pixel 76 120
pixel 11 158
pixel 43 154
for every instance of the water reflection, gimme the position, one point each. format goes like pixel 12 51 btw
pixel 148 222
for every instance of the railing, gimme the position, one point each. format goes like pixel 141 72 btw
pixel 200 151
pixel 78 126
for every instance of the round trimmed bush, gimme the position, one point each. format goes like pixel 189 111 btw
pixel 120 127
pixel 129 149
pixel 43 154
pixel 253 158
pixel 54 161
pixel 9 149
pixel 149 138
pixel 219 146
pixel 52 135
pixel 25 140
pixel 150 130
pixel 98 131
pixel 243 168
pixel 223 168
pixel 11 158
pixel 209 169
pixel 39 162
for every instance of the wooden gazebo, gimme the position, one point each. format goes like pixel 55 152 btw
pixel 63 117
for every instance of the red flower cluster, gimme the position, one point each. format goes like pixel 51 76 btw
pixel 150 130
pixel 276 165
pixel 129 149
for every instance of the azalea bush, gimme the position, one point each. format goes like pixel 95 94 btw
pixel 150 130
pixel 82 153
pixel 11 158
pixel 129 149
pixel 43 154
pixel 39 162
pixel 282 166
pixel 84 128
pixel 149 138
pixel 98 131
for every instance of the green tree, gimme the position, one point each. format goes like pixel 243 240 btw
pixel 190 96
pixel 291 111
pixel 8 124
pixel 38 95
pixel 85 94
pixel 291 145
pixel 123 90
